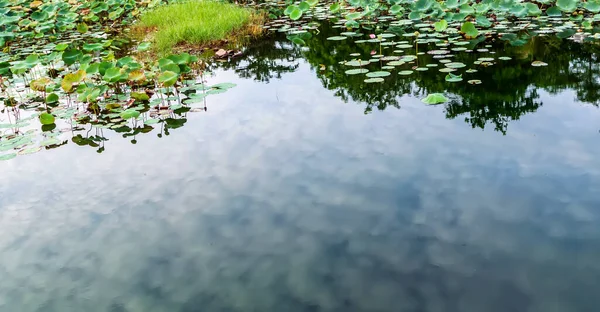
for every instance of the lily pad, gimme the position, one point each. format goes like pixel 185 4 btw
pixel 377 74
pixel 356 71
pixel 435 98
pixel 8 156
pixel 374 80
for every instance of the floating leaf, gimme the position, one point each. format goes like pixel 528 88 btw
pixel 8 156
pixel 440 25
pixel 334 8
pixel 40 84
pixel 140 96
pixel 374 80
pixel 538 64
pixel 31 150
pixel 469 29
pixel 82 28
pixel 129 113
pixel 46 118
pixel 356 71
pixel 435 98
pixel 453 78
pixel 168 78
pixel 51 98
pixel 553 12
pixel 567 5
pixel 377 74
pixel 151 121
pixel 71 56
pixel 296 13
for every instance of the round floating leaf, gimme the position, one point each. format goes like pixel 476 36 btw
pixel 440 25
pixel 567 5
pixel 296 14
pixel 395 9
pixel 71 56
pixel 50 141
pixel 224 85
pixel 151 121
pixel 46 119
pixel 505 58
pixel 374 80
pixel 8 156
pixel 592 6
pixel 40 84
pixel 129 113
pixel 469 29
pixel 553 12
pixel 93 46
pixel 82 28
pixel 304 6
pixel 168 78
pixel 112 74
pixel 455 65
pixel 140 96
pixel 453 78
pixel 538 64
pixel 447 70
pixel 378 74
pixel 357 71
pixel 474 81
pixel 357 63
pixel 51 98
pixel 137 76
pixel 405 72
pixel 354 15
pixel 435 98
pixel 396 63
pixel 334 8
pixel 31 150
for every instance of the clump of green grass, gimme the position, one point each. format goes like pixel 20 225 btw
pixel 195 22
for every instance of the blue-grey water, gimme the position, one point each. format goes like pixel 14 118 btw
pixel 284 197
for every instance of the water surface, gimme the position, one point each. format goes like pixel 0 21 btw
pixel 304 189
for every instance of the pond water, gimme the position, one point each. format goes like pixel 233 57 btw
pixel 305 189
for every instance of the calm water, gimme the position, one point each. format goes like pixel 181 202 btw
pixel 307 190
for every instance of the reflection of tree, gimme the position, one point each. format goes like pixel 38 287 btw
pixel 328 54
pixel 266 59
pixel 508 89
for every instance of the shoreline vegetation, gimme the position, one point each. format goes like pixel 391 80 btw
pixel 197 25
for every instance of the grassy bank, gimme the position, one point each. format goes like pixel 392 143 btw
pixel 197 23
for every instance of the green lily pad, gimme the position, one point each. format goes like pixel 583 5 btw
pixel 435 98
pixel 356 71
pixel 8 156
pixel 129 113
pixel 453 78
pixel 378 74
pixel 374 80
pixel 46 119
